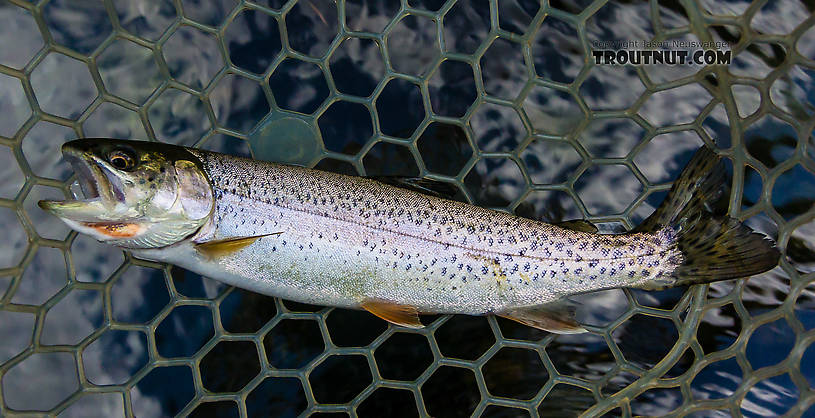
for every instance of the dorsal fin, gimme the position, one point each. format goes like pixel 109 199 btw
pixel 581 225
pixel 420 185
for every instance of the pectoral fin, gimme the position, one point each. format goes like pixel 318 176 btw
pixel 404 315
pixel 222 247
pixel 556 317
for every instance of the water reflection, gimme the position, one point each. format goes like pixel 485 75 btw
pixel 67 100
pixel 147 19
pixel 138 294
pixel 43 278
pixel 14 109
pixel 129 71
pixel 81 26
pixel 771 396
pixel 74 317
pixel 28 39
pixel 53 374
pixel 312 26
pixel 114 357
pixel 192 56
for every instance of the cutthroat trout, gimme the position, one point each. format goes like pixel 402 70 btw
pixel 329 239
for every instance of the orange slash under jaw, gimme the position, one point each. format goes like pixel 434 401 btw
pixel 116 230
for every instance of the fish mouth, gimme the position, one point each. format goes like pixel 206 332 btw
pixel 89 176
pixel 100 187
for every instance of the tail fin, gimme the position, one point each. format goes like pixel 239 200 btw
pixel 713 247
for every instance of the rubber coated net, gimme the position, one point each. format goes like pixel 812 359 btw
pixel 502 99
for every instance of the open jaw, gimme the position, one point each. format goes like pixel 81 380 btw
pixel 87 175
pixel 101 190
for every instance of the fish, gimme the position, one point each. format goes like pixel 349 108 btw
pixel 396 247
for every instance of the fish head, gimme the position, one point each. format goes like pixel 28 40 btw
pixel 137 194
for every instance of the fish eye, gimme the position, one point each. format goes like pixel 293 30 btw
pixel 122 160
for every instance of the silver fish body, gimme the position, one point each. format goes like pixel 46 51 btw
pixel 347 239
pixel 330 239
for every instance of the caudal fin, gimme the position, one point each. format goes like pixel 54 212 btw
pixel 713 247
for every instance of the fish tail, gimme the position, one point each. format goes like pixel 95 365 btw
pixel 713 247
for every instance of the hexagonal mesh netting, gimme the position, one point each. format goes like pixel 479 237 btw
pixel 501 99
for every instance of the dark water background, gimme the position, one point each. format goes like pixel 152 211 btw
pixel 158 340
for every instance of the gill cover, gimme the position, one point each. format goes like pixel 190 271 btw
pixel 189 210
pixel 194 191
pixel 137 194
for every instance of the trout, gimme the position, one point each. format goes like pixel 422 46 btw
pixel 393 246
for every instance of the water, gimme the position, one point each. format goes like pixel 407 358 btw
pixel 511 115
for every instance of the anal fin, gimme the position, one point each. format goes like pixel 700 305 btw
pixel 222 247
pixel 404 315
pixel 556 317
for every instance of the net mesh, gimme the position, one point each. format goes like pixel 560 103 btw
pixel 501 99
